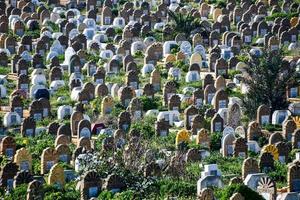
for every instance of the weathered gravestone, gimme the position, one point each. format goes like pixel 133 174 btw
pixel 23 159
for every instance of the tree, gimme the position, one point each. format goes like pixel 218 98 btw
pixel 267 77
pixel 185 23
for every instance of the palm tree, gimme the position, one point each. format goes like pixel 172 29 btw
pixel 185 23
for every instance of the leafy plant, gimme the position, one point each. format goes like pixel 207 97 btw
pixel 185 23
pixel 267 78
pixel 245 191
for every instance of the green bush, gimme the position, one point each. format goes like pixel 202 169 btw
pixel 149 104
pixel 17 193
pixel 279 174
pixel 178 188
pixel 245 191
pixel 215 143
pixel 146 126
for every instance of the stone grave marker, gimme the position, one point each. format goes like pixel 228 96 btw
pixel 22 177
pixel 49 157
pixel 90 185
pixel 7 174
pixel 63 153
pixel 203 138
pixel 240 147
pixel 8 146
pixel 56 176
pixel 293 177
pixel 28 127
pixel 217 123
pixel 250 166
pixel 23 159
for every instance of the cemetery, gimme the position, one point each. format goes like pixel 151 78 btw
pixel 150 99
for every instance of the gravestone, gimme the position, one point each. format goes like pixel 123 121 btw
pixel 107 105
pixel 227 145
pixel 7 174
pixel 296 139
pixel 234 115
pixel 23 159
pixel 293 177
pixel 288 127
pixel 203 138
pixel 266 161
pixel 240 148
pixel 135 109
pixel 76 117
pixel 114 183
pixel 250 166
pixel 56 176
pixel 189 113
pixel 34 190
pixel 162 128
pixel 174 102
pixel 124 121
pixel 267 188
pixel 217 123
pixel 90 185
pixel 22 177
pixel 197 123
pixel 48 159
pixel 198 97
pixel 63 152
pixel 283 151
pixel 8 147
pixel 275 137
pixel 182 136
pixel 62 139
pixel 254 131
pixel 168 91
pixel 126 94
pixel 220 100
pixel 28 127
pixel 84 129
pixel 209 93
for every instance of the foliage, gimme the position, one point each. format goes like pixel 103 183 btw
pixel 282 15
pixel 279 174
pixel 232 73
pixel 182 65
pixel 139 54
pixel 149 104
pixel 218 3
pixel 34 34
pixel 272 127
pixel 234 93
pixel 215 143
pixel 267 79
pixel 262 141
pixel 146 127
pixel 17 193
pixel 185 23
pixel 68 192
pixel 170 188
pixel 3 160
pixel 54 26
pixel 175 49
pixel 93 58
pixel 225 164
pixel 245 191
pixel 117 109
pixel 4 70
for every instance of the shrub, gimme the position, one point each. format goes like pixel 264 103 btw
pixel 245 191
pixel 215 143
